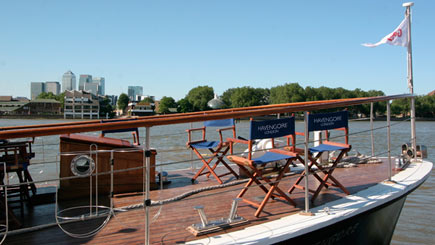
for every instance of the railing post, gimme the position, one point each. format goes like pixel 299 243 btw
pixel 371 131
pixel 389 139
pixel 306 153
pixel 147 200
pixel 5 188
pixel 192 163
pixel 413 133
pixel 112 164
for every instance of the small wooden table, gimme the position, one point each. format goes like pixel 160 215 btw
pixel 16 156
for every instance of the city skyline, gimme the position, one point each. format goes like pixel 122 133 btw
pixel 171 48
pixel 94 85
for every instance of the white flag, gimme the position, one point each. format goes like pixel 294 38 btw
pixel 398 37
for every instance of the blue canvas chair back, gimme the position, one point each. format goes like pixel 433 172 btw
pixel 220 123
pixel 327 121
pixel 272 128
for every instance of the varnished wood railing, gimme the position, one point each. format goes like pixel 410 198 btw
pixel 149 121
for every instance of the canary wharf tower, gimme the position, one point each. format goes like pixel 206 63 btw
pixel 68 81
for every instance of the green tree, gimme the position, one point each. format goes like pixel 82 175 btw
pixel 147 100
pixel 425 106
pixel 106 108
pixel 184 106
pixel 61 99
pixel 401 107
pixel 50 95
pixel 247 96
pixel 378 107
pixel 166 103
pixel 199 96
pixel 226 97
pixel 123 101
pixel 311 94
pixel 287 93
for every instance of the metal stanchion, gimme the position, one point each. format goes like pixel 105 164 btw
pixel 389 139
pixel 5 189
pixel 371 131
pixel 147 200
pixel 306 159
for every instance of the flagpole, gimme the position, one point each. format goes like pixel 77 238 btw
pixel 410 78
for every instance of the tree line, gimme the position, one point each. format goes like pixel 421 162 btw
pixel 197 98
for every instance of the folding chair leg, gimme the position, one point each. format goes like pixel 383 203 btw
pixel 299 179
pixel 206 165
pixel 264 202
pixel 328 175
pixel 218 154
pixel 253 178
pixel 275 183
pixel 215 154
pixel 221 160
pixel 245 188
pixel 214 167
pixel 269 192
pixel 296 184
pixel 230 169
pixel 338 184
pixel 28 178
pixel 198 173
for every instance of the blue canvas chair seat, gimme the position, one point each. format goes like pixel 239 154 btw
pixel 218 149
pixel 319 122
pixel 205 144
pixel 326 147
pixel 269 157
pixel 255 169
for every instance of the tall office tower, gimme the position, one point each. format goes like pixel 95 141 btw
pixel 83 80
pixel 134 91
pixel 53 87
pixel 36 88
pixel 93 88
pixel 101 85
pixel 68 81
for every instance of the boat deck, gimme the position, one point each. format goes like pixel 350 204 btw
pixel 169 227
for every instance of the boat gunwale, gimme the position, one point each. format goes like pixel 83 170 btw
pixel 385 188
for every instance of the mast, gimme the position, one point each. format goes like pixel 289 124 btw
pixel 410 78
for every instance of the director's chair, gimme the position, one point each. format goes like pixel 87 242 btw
pixel 268 129
pixel 218 149
pixel 324 122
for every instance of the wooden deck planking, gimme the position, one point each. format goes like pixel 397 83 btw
pixel 170 226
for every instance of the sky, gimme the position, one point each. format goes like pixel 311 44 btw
pixel 170 47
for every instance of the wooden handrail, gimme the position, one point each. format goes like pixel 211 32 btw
pixel 96 125
pixel 164 116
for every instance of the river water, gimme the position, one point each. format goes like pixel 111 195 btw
pixel 416 221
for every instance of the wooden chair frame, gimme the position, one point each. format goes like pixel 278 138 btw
pixel 258 173
pixel 17 157
pixel 218 150
pixel 327 172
